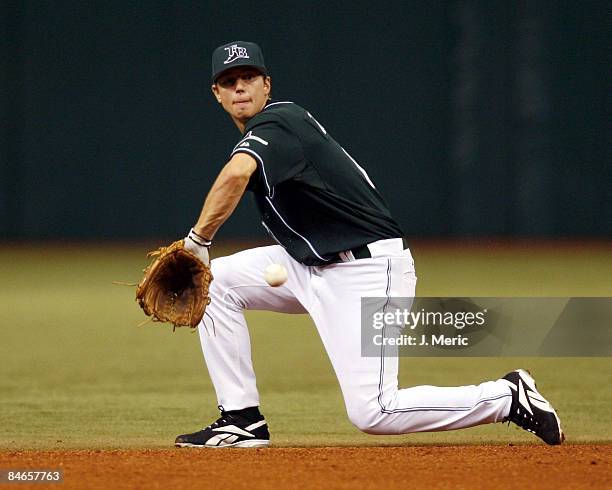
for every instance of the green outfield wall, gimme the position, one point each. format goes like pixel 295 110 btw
pixel 473 117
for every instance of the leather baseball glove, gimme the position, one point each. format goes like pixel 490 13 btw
pixel 175 286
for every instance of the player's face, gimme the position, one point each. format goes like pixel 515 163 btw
pixel 243 92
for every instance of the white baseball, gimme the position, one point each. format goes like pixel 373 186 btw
pixel 275 275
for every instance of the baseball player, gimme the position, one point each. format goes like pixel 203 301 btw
pixel 339 243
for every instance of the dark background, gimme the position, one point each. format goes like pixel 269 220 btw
pixel 473 117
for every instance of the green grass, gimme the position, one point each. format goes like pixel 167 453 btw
pixel 76 371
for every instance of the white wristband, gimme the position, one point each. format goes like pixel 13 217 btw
pixel 198 239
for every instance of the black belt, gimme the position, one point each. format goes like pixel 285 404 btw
pixel 363 252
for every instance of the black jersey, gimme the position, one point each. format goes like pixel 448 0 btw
pixel 314 198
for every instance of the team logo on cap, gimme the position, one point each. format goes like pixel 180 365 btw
pixel 234 52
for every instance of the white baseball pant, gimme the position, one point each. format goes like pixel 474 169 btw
pixel 332 296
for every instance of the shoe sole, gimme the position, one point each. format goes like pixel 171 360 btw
pixel 528 379
pixel 255 443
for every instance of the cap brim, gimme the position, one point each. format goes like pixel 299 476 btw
pixel 261 69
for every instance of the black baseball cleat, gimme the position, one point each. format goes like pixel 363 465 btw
pixel 530 410
pixel 230 430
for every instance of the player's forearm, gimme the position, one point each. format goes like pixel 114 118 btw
pixel 223 197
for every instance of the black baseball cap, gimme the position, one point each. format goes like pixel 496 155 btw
pixel 237 53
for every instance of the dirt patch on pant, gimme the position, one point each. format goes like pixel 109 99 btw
pixel 567 466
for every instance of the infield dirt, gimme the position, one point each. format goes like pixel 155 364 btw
pixel 567 466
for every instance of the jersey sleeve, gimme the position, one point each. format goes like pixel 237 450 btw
pixel 277 150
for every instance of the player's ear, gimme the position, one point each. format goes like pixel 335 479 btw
pixel 267 86
pixel 215 91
